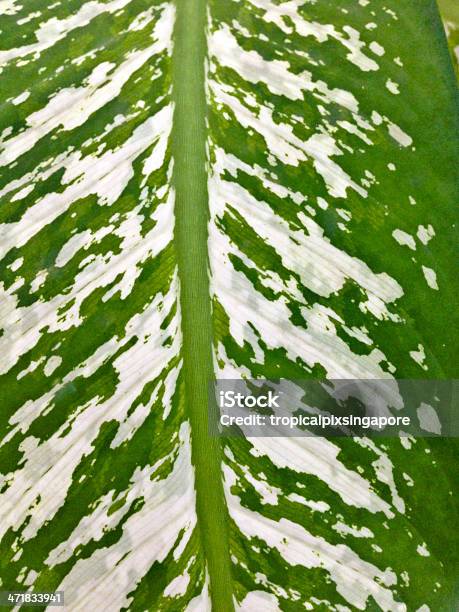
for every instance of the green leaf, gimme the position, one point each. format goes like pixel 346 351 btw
pixel 256 188
pixel 449 11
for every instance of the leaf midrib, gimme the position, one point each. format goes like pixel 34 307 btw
pixel 191 221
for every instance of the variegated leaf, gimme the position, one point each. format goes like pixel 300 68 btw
pixel 325 214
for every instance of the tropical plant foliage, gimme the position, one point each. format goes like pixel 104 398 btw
pixel 332 180
pixel 450 14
